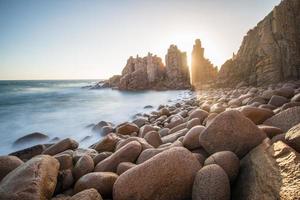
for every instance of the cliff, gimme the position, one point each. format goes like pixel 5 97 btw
pixel 270 52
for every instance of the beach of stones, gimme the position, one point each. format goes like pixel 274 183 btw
pixel 240 143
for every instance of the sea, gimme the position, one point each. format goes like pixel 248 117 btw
pixel 67 108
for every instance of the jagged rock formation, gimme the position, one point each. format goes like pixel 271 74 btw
pixel 141 73
pixel 150 73
pixel 270 52
pixel 177 70
pixel 203 71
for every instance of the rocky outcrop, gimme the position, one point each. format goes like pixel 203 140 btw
pixel 203 71
pixel 149 72
pixel 177 71
pixel 270 52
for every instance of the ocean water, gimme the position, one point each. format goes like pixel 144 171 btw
pixel 65 109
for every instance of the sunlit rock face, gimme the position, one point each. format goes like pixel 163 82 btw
pixel 203 71
pixel 150 73
pixel 177 71
pixel 270 52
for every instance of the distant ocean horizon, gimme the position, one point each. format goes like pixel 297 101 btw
pixel 62 108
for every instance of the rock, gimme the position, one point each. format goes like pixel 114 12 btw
pixel 7 164
pixel 101 156
pixel 124 166
pixel 270 131
pixel 176 120
pixel 286 92
pixel 128 153
pixel 269 172
pixel 153 138
pixel 65 161
pixel 140 122
pixel 211 182
pixel 163 132
pixel 257 115
pixel 231 131
pixel 148 106
pixel 32 137
pixel 210 118
pixel 285 119
pixel 217 108
pixel 61 146
pixel 164 111
pixel 101 181
pixel 293 137
pixel 108 143
pixel 228 161
pixel 193 122
pixel 278 100
pixel 203 71
pixel 198 113
pixel 127 128
pixel 170 174
pixel 142 141
pixel 34 180
pixel 89 194
pixel 78 153
pixel 28 153
pixel 191 139
pixel 64 181
pixel 289 105
pixel 83 166
pixel 269 52
pixel 296 98
pixel 145 129
pixel 174 136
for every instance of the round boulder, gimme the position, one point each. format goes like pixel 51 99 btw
pixel 211 182
pixel 257 115
pixel 170 174
pixel 231 131
pixel 101 181
pixel 89 194
pixel 61 146
pixel 124 166
pixel 228 161
pixel 198 113
pixel 191 139
pixel 7 164
pixel 153 138
pixel 83 166
pixel 127 128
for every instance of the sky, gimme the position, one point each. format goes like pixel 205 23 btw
pixel 92 39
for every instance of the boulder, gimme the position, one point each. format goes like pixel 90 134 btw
pixel 128 153
pixel 153 138
pixel 278 100
pixel 30 152
pixel 285 119
pixel 286 92
pixel 193 122
pixel 191 139
pixel 231 131
pixel 210 118
pixel 270 131
pixel 293 137
pixel 34 180
pixel 7 164
pixel 142 141
pixel 101 156
pixel 174 136
pixel 78 153
pixel 65 161
pixel 170 174
pixel 83 166
pixel 64 181
pixel 32 137
pixel 88 194
pixel 269 172
pixel 228 161
pixel 296 98
pixel 145 129
pixel 108 143
pixel 61 146
pixel 198 113
pixel 124 166
pixel 257 115
pixel 127 128
pixel 101 181
pixel 211 182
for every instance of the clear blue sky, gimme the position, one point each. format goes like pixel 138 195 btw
pixel 72 39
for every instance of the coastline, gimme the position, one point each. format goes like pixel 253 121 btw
pixel 182 135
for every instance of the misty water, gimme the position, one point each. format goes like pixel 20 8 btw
pixel 65 109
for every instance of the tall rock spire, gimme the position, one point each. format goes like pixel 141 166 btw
pixel 203 70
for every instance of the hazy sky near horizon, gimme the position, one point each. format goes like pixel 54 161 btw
pixel 87 39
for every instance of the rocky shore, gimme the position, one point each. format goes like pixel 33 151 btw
pixel 240 143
